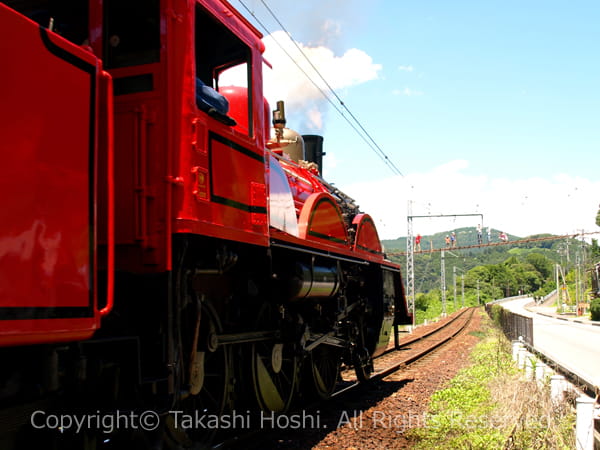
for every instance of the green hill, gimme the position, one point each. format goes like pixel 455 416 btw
pixel 464 236
pixel 428 264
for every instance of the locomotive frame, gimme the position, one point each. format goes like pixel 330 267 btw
pixel 164 251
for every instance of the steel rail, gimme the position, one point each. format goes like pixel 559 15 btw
pixel 243 439
pixel 418 355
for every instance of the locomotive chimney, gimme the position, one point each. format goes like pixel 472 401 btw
pixel 313 150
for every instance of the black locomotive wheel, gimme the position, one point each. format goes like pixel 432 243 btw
pixel 210 380
pixel 216 382
pixel 363 366
pixel 274 366
pixel 325 367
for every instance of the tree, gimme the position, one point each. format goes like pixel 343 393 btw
pixel 595 250
pixel 598 218
pixel 595 309
pixel 542 264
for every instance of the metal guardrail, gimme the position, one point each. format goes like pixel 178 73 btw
pixel 515 326
pixel 507 299
pixel 547 296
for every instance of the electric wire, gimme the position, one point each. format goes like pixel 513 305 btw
pixel 356 125
pixel 367 134
pixel 497 244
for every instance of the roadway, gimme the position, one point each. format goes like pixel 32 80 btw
pixel 574 345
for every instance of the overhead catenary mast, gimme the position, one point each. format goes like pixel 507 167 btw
pixel 410 265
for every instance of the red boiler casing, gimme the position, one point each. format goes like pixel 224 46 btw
pixel 320 218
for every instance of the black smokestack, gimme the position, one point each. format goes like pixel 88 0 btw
pixel 313 150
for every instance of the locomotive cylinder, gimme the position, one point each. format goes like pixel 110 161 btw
pixel 314 281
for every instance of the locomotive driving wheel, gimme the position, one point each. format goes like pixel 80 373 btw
pixel 361 356
pixel 207 374
pixel 210 377
pixel 325 368
pixel 274 363
pixel 363 365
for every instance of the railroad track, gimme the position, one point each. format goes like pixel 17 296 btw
pixel 411 350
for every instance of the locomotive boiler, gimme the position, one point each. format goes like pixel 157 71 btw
pixel 162 247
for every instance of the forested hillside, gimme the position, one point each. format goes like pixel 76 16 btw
pixel 490 272
pixel 465 236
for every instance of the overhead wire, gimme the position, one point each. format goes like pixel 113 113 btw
pixel 357 125
pixel 497 244
pixel 303 53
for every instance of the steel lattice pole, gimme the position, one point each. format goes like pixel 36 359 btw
pixel 410 264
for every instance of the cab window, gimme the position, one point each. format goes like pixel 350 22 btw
pixel 223 71
pixel 131 32
pixel 68 18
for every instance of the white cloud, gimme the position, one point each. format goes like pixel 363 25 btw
pixel 406 68
pixel 286 82
pixel 559 204
pixel 305 104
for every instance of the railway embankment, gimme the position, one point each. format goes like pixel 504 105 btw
pixel 469 393
pixel 490 404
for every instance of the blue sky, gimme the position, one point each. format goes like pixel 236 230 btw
pixel 486 107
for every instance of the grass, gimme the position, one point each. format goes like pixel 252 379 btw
pixel 489 405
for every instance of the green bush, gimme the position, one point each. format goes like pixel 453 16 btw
pixel 497 314
pixel 488 404
pixel 595 309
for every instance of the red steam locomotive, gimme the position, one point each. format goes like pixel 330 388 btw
pixel 160 246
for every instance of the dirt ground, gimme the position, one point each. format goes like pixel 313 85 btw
pixel 379 414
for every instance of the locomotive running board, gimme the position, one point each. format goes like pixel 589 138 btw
pixel 319 253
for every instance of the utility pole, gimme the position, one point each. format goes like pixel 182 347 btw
pixel 577 278
pixel 443 285
pixel 462 277
pixel 454 281
pixel 410 264
pixel 463 290
pixel 443 280
pixel 583 277
pixel 558 288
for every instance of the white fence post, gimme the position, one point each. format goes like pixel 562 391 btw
pixel 529 363
pixel 557 388
pixel 522 356
pixel 584 428
pixel 516 346
pixel 540 371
